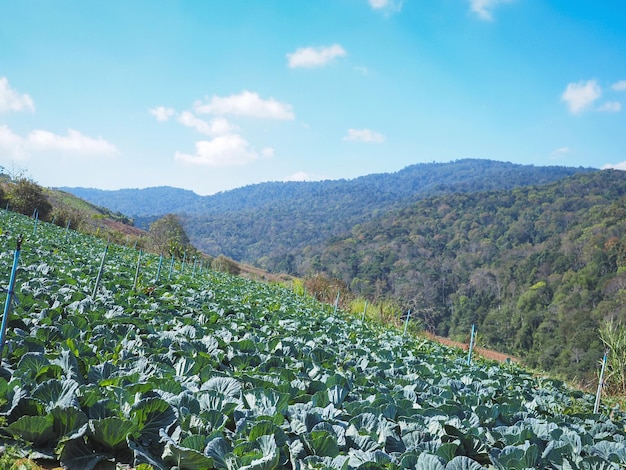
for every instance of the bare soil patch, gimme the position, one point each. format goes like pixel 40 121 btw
pixel 486 353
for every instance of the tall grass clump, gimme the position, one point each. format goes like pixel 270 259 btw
pixel 386 312
pixel 613 335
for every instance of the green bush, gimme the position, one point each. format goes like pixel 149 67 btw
pixel 25 196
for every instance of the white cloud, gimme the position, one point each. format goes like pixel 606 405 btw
pixel 217 126
pixel 617 166
pixel 619 86
pixel 560 152
pixel 483 8
pixel 45 141
pixel 389 6
pixel 223 151
pixel 11 100
pixel 11 143
pixel 298 176
pixel 580 96
pixel 364 135
pixel 315 56
pixel 246 103
pixel 267 152
pixel 74 142
pixel 161 113
pixel 611 107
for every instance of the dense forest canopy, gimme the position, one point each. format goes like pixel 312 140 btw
pixel 537 269
pixel 257 222
pixel 534 256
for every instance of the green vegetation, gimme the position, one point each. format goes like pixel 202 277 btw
pixel 262 224
pixel 537 269
pixel 614 337
pixel 69 202
pixel 168 237
pixel 386 312
pixel 224 264
pixel 207 370
pixel 25 196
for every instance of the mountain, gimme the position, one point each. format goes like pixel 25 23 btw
pixel 267 220
pixel 154 201
pixel 535 257
pixel 537 269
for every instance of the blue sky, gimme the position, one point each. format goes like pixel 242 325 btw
pixel 212 95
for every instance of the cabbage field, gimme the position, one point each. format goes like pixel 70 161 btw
pixel 198 369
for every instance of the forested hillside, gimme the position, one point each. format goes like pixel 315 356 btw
pixel 536 268
pixel 269 220
pixel 139 203
pixel 194 369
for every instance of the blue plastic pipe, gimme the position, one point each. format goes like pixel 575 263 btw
pixel 169 276
pixel 596 406
pixel 137 271
pixel 406 322
pixel 7 304
pixel 471 346
pixel 36 217
pixel 100 271
pixel 159 269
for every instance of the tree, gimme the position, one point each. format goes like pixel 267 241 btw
pixel 25 196
pixel 169 237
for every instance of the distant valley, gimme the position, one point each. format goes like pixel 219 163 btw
pixel 535 257
pixel 255 222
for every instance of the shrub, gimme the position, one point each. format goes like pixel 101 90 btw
pixel 25 196
pixel 225 265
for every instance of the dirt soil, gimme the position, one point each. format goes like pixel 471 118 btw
pixel 482 352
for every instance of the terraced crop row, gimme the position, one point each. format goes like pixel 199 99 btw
pixel 205 370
